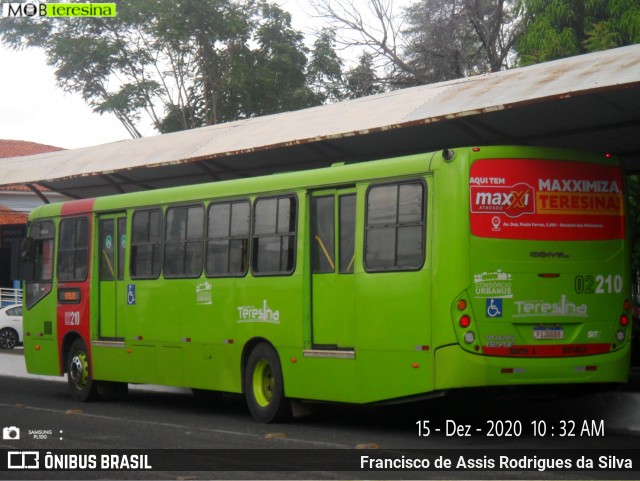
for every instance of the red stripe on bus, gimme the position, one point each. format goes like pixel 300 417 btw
pixel 76 317
pixel 555 350
pixel 74 207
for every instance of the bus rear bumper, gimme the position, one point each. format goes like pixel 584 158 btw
pixel 455 367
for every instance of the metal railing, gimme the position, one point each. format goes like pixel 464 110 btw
pixel 10 296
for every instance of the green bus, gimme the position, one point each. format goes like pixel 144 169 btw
pixel 358 283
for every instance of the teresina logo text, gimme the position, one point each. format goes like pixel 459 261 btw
pixel 539 308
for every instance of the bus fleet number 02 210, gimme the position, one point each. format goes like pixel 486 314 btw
pixel 599 284
pixel 515 428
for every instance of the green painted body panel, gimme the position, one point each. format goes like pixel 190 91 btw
pixel 45 360
pixel 311 378
pixel 398 331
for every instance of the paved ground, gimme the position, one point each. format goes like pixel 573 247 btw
pixel 173 419
pixel 619 407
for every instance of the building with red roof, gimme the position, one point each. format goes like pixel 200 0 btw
pixel 16 201
pixel 18 148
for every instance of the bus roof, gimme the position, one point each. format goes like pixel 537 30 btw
pixel 338 175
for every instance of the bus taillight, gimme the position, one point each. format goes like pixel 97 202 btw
pixel 465 321
pixel 624 320
pixel 462 305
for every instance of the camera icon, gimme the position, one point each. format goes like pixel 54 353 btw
pixel 11 432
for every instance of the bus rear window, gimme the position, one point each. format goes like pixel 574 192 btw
pixel 546 200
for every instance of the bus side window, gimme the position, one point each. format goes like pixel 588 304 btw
pixel 42 234
pixel 274 236
pixel 146 227
pixel 73 250
pixel 122 243
pixel 183 247
pixel 395 225
pixel 106 230
pixel 322 234
pixel 228 238
pixel 347 240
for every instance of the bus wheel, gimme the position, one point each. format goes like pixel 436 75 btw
pixel 81 384
pixel 264 386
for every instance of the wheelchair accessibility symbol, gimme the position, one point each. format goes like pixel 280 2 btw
pixel 494 308
pixel 131 294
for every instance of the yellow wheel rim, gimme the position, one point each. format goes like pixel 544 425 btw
pixel 263 383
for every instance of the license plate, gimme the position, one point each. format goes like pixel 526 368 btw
pixel 548 333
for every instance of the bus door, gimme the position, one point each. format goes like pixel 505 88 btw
pixel 112 242
pixel 333 220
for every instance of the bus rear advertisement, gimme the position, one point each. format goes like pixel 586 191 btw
pixel 360 283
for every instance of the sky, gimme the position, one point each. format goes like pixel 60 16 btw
pixel 34 109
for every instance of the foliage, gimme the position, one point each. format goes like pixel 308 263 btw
pixel 564 28
pixel 361 80
pixel 324 72
pixel 280 81
pixel 431 40
pixel 633 218
pixel 185 64
pixel 374 30
pixel 449 39
pixel 189 63
pixel 441 44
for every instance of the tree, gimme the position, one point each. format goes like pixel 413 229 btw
pixel 324 72
pixel 431 40
pixel 280 64
pixel 184 64
pixel 362 80
pixel 564 28
pixel 498 25
pixel 376 30
pixel 448 39
pixel 441 44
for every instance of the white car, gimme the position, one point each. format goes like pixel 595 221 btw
pixel 10 326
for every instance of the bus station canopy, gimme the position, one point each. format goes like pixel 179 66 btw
pixel 587 102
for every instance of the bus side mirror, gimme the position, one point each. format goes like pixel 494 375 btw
pixel 23 256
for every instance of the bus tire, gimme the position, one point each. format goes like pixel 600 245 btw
pixel 81 384
pixel 264 386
